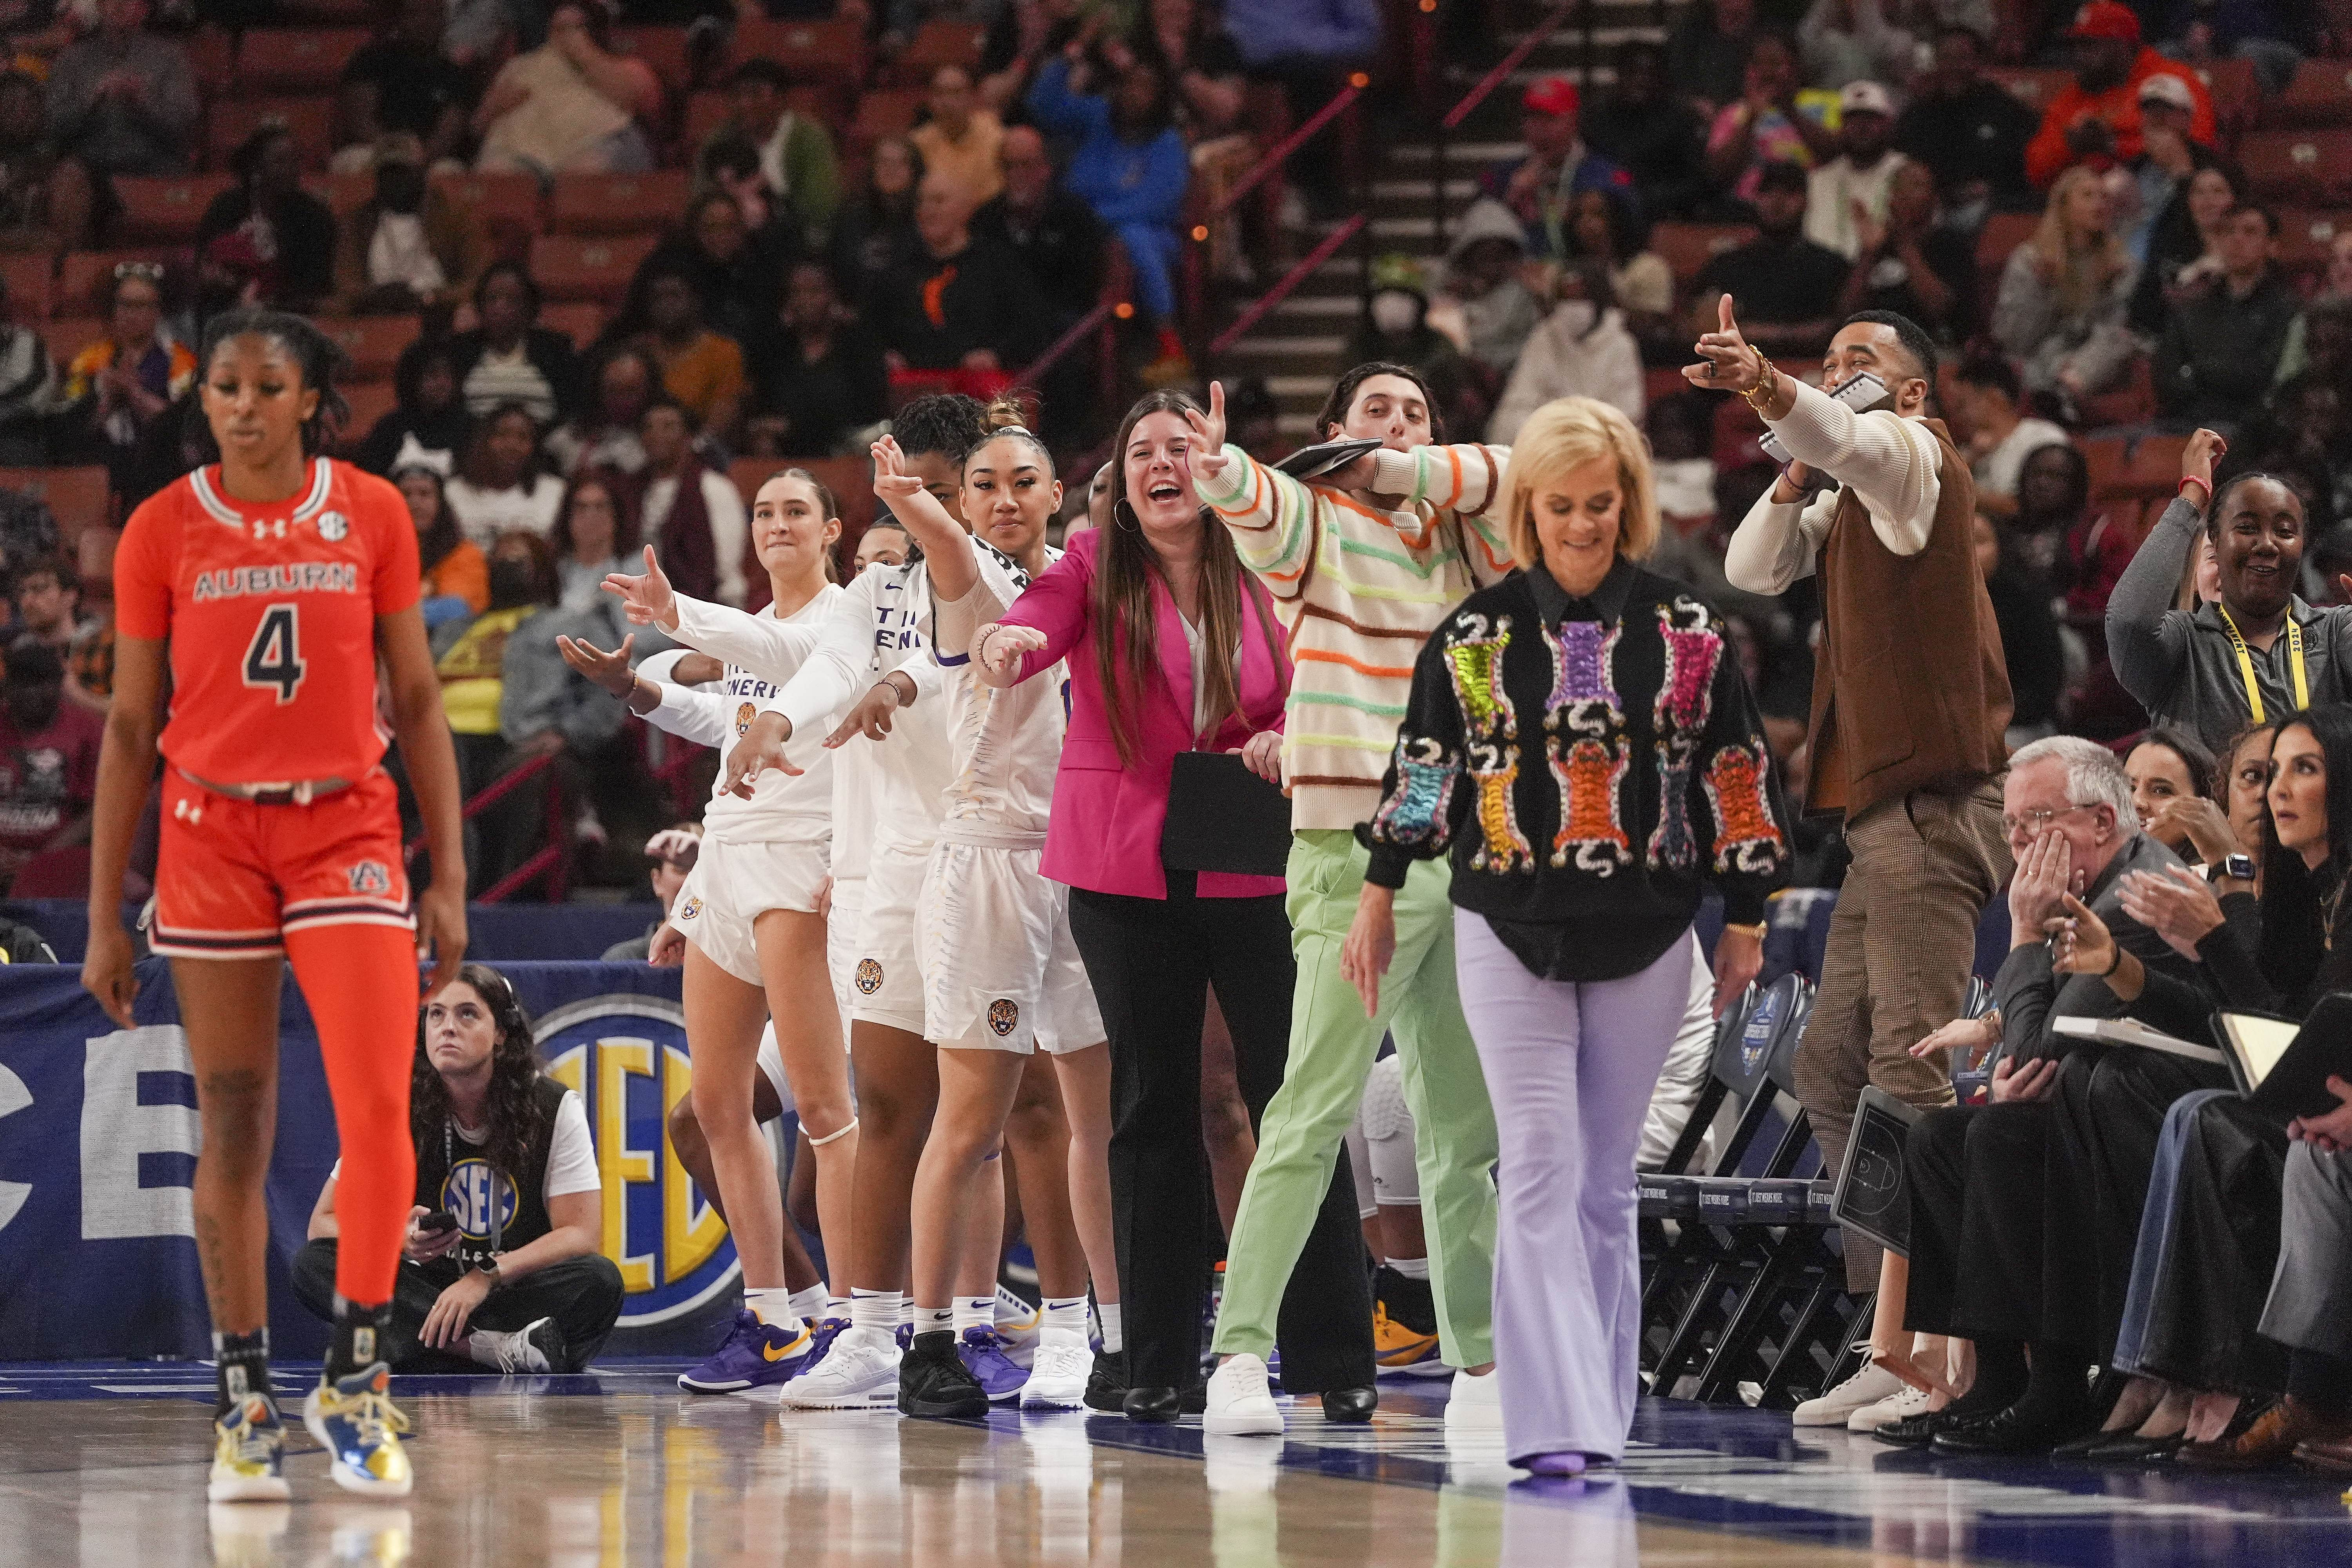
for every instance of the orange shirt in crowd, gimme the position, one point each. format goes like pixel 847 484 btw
pixel 2047 156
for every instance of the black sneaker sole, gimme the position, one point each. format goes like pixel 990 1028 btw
pixel 963 1404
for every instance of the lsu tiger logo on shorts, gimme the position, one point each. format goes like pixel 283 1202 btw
pixel 1003 1016
pixel 370 878
pixel 688 908
pixel 744 714
pixel 869 976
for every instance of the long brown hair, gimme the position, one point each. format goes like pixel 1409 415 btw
pixel 1127 639
pixel 512 1104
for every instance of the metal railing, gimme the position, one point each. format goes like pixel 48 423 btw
pixel 551 862
pixel 1288 281
pixel 1116 305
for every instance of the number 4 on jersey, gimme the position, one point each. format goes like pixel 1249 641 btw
pixel 274 660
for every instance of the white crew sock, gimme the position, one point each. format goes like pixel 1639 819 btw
pixel 906 1312
pixel 1411 1268
pixel 934 1319
pixel 1066 1312
pixel 1107 1316
pixel 836 1306
pixel 809 1304
pixel 974 1312
pixel 773 1307
pixel 875 1314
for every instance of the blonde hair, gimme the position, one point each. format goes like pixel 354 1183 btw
pixel 2085 270
pixel 1567 432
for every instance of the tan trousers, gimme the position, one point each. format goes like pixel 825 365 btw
pixel 1902 940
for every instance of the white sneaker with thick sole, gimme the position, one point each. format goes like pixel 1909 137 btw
pixel 859 1373
pixel 1474 1403
pixel 1834 1408
pixel 1895 1407
pixel 1240 1403
pixel 1058 1372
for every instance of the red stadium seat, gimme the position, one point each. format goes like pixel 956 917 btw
pixel 2106 458
pixel 78 498
pixel 232 119
pixel 84 277
pixel 2236 95
pixel 618 203
pixel 936 44
pixel 212 57
pixel 31 278
pixel 661 48
pixel 2307 166
pixel 508 203
pixel 885 111
pixel 165 211
pixel 2033 88
pixel 705 112
pixel 2002 233
pixel 2154 469
pixel 296 59
pixel 582 267
pixel 69 335
pixel 369 401
pixel 2131 404
pixel 809 52
pixel 582 320
pixel 2319 94
pixel 1686 248
pixel 2304 240
pixel 374 343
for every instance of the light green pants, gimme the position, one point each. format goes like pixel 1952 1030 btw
pixel 1332 1048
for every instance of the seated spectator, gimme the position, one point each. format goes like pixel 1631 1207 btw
pixel 2174 785
pixel 49 758
pixel 796 155
pixel 1482 305
pixel 605 435
pixel 2168 155
pixel 1912 264
pixel 820 381
pixel 2039 534
pixel 1055 231
pixel 596 536
pixel 673 851
pixel 266 240
pixel 571 106
pixel 1644 128
pixel 1604 228
pixel 953 302
pixel 700 368
pixel 1850 189
pixel 47 597
pixel 2332 301
pixel 2184 248
pixel 410 246
pixel 2221 349
pixel 1842 42
pixel 123 101
pixel 481 34
pixel 2029 638
pixel 1538 187
pixel 2300 1312
pixel 736 283
pixel 960 139
pixel 1395 328
pixel 2096 115
pixel 1764 127
pixel 1987 403
pixel 456 574
pixel 47 201
pixel 472 658
pixel 509 357
pixel 501 487
pixel 2308 428
pixel 526 1196
pixel 119 386
pixel 401 81
pixel 1707 53
pixel 1188 43
pixel 875 230
pixel 428 422
pixel 28 392
pixel 691 515
pixel 1581 350
pixel 1969 130
pixel 1786 286
pixel 2059 313
pixel 731 163
pixel 1131 167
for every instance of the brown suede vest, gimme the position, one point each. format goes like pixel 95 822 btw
pixel 1910 690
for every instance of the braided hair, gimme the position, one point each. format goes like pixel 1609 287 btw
pixel 321 359
pixel 512 1107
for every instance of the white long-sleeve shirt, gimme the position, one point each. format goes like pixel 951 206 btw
pixel 1893 463
pixel 1006 743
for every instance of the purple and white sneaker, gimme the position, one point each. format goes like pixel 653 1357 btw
pixel 983 1356
pixel 753 1356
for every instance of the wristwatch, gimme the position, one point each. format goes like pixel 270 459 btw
pixel 489 1269
pixel 2238 867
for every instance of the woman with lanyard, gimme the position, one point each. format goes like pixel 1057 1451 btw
pixel 2256 654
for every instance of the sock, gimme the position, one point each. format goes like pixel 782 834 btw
pixel 359 1331
pixel 1013 1315
pixel 875 1312
pixel 906 1312
pixel 1107 1319
pixel 2001 1376
pixel 362 986
pixel 935 1320
pixel 2057 1387
pixel 1067 1313
pixel 837 1306
pixel 1406 1297
pixel 773 1305
pixel 973 1312
pixel 809 1303
pixel 243 1370
pixel 1411 1268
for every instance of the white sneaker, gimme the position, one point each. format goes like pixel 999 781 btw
pixel 1895 1407
pixel 1868 1386
pixel 1057 1377
pixel 859 1373
pixel 1474 1403
pixel 1239 1401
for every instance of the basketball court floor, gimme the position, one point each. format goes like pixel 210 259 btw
pixel 102 1465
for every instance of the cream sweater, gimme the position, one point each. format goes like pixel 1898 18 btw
pixel 1360 590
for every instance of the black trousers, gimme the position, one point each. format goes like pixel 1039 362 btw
pixel 581 1294
pixel 1974 1174
pixel 1152 963
pixel 2222 1251
pixel 2106 1113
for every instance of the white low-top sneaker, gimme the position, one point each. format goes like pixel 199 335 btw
pixel 1057 1374
pixel 1240 1403
pixel 1895 1407
pixel 1868 1386
pixel 1474 1403
pixel 859 1373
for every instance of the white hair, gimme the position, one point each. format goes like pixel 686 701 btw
pixel 2094 776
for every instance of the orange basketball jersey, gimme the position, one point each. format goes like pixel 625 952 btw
pixel 271 614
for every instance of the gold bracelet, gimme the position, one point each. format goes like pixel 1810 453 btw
pixel 1764 391
pixel 1756 930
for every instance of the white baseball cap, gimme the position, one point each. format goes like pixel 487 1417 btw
pixel 1865 98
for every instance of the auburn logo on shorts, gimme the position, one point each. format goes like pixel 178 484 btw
pixel 689 907
pixel 1003 1015
pixel 869 976
pixel 370 878
pixel 744 713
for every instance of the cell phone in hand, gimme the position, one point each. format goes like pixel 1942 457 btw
pixel 440 1222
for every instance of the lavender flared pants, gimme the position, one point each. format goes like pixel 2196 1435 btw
pixel 1570 1068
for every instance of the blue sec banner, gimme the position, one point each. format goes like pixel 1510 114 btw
pixel 99 1136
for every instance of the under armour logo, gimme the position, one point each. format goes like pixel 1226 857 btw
pixel 264 530
pixel 188 811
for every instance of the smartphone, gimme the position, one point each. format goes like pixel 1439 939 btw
pixel 1861 392
pixel 440 1222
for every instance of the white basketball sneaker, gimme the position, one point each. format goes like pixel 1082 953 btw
pixel 1474 1403
pixel 859 1373
pixel 1868 1386
pixel 1057 1375
pixel 1240 1403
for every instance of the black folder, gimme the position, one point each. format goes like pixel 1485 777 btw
pixel 2283 1067
pixel 1224 818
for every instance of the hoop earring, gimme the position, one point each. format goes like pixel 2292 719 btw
pixel 1124 516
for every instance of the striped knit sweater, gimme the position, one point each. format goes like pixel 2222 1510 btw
pixel 1360 590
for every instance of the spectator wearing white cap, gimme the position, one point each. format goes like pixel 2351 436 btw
pixel 2168 155
pixel 1853 184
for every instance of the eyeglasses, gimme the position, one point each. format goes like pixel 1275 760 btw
pixel 2032 823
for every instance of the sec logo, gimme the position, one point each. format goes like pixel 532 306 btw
pixel 1003 1016
pixel 744 714
pixel 868 976
pixel 333 526
pixel 473 1191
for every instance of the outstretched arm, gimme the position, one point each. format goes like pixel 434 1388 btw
pixel 946 548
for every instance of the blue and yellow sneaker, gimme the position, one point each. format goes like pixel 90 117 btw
pixel 1400 1350
pixel 354 1419
pixel 753 1356
pixel 248 1453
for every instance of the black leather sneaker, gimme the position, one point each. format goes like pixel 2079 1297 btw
pixel 933 1380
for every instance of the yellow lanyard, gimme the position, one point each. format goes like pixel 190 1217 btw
pixel 2246 663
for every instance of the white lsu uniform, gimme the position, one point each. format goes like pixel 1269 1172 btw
pixel 770 852
pixel 1000 970
pixel 872 632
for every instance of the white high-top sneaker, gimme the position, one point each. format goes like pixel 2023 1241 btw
pixel 1240 1402
pixel 1868 1386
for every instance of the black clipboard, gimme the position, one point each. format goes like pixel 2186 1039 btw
pixel 1224 818
pixel 1311 462
pixel 1871 1196
pixel 2293 1082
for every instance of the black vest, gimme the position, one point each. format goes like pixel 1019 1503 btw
pixel 520 1216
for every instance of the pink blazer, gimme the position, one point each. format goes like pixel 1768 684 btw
pixel 1104 833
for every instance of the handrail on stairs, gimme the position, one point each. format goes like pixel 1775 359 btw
pixel 1453 117
pixel 1286 282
